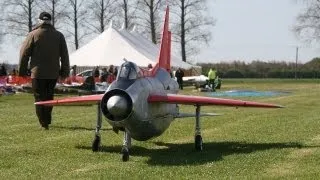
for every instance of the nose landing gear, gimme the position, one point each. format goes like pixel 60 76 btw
pixel 97 139
pixel 198 142
pixel 96 143
pixel 126 146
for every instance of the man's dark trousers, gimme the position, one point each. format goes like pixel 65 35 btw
pixel 43 89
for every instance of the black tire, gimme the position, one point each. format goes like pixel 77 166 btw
pixel 125 154
pixel 198 142
pixel 96 143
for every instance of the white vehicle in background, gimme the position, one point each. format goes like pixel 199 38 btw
pixel 87 73
pixel 197 81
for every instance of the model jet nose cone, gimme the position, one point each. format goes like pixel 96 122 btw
pixel 117 106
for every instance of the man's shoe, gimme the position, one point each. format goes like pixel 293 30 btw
pixel 46 127
pixel 41 123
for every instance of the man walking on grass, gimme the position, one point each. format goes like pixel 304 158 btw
pixel 44 49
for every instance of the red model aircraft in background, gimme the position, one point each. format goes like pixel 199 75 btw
pixel 143 103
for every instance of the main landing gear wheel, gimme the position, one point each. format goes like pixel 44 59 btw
pixel 198 138
pixel 198 142
pixel 125 154
pixel 96 143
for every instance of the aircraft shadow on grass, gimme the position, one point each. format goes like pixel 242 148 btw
pixel 184 154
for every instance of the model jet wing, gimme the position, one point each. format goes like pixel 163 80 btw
pixel 184 115
pixel 199 100
pixel 91 99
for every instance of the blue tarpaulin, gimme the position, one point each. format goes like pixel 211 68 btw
pixel 248 93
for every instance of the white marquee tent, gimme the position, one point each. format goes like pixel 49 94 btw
pixel 113 45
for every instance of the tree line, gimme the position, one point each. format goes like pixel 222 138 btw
pixel 260 69
pixel 81 19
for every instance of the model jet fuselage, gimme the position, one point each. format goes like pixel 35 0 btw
pixel 125 103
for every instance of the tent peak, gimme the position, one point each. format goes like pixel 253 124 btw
pixel 122 27
pixel 111 23
pixel 134 28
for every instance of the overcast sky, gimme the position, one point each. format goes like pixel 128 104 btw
pixel 245 30
pixel 255 29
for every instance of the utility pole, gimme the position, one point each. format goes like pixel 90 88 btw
pixel 296 66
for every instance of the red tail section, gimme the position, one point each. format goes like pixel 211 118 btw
pixel 165 47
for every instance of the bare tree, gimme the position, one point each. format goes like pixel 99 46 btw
pixel 192 25
pixel 128 8
pixel 55 7
pixel 150 11
pixel 18 16
pixel 1 35
pixel 308 22
pixel 1 39
pixel 102 12
pixel 76 16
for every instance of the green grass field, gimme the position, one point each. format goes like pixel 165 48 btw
pixel 244 143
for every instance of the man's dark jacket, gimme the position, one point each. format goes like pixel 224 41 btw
pixel 48 49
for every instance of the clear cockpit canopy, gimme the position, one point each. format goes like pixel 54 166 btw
pixel 130 71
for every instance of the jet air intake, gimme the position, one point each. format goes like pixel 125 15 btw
pixel 116 105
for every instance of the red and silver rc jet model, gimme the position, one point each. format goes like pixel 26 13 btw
pixel 143 103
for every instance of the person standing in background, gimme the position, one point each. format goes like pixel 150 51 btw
pixel 115 71
pixel 3 71
pixel 104 75
pixel 73 71
pixel 45 48
pixel 212 77
pixel 14 72
pixel 96 72
pixel 111 76
pixel 179 75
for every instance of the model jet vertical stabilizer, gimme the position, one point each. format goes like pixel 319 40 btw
pixel 165 46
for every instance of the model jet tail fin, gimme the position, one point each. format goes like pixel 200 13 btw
pixel 165 47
